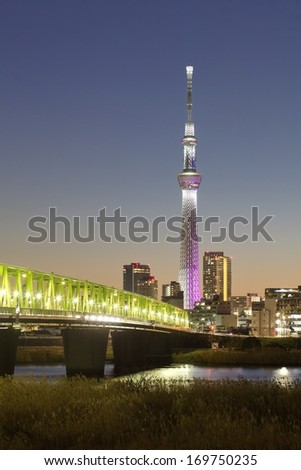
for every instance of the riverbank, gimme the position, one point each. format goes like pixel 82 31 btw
pixel 40 355
pixel 148 413
pixel 282 352
pixel 264 357
pixel 267 356
pixel 240 351
pixel 46 350
pixel 55 355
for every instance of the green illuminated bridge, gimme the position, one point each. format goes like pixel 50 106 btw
pixel 37 293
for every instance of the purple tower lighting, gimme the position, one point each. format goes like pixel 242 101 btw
pixel 189 181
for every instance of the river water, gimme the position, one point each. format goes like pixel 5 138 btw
pixel 177 371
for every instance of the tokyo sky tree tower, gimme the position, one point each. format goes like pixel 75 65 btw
pixel 189 180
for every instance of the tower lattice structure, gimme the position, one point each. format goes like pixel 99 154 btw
pixel 189 181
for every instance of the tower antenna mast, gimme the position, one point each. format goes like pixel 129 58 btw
pixel 189 180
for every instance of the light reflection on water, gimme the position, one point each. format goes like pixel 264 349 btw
pixel 189 372
pixel 178 371
pixel 52 371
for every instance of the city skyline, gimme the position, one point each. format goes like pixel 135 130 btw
pixel 92 112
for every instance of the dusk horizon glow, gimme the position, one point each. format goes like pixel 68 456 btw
pixel 93 108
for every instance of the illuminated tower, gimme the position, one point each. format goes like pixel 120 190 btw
pixel 189 180
pixel 217 275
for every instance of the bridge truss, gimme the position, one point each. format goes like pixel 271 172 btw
pixel 39 293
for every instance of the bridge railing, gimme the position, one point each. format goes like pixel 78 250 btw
pixel 34 291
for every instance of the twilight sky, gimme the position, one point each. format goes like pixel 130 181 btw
pixel 92 113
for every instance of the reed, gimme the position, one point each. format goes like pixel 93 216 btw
pixel 266 356
pixel 148 413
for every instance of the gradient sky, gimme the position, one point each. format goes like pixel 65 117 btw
pixel 92 112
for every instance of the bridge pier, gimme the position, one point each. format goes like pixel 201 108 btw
pixel 8 350
pixel 140 348
pixel 85 351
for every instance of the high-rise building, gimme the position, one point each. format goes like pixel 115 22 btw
pixel 172 294
pixel 148 286
pixel 189 180
pixel 288 309
pixel 172 289
pixel 132 273
pixel 217 275
pixel 286 294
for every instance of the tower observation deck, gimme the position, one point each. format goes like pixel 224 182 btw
pixel 189 180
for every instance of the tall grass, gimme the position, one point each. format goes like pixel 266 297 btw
pixel 148 413
pixel 266 356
